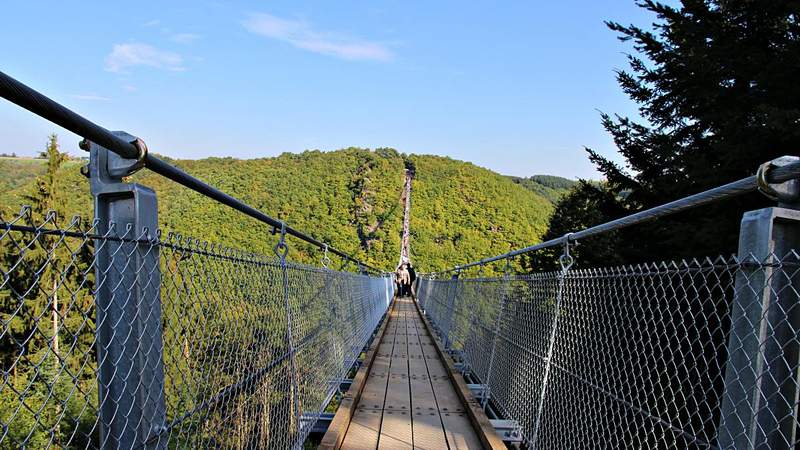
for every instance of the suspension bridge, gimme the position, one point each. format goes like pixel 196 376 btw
pixel 141 338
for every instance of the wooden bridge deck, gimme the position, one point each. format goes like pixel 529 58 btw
pixel 408 397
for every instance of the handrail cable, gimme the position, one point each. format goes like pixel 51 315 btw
pixel 43 106
pixel 775 174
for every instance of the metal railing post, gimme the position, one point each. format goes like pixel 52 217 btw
pixel 130 371
pixel 565 261
pixel 759 404
pixel 498 321
pixel 281 250
pixel 448 313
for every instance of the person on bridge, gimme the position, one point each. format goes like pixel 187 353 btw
pixel 403 280
pixel 412 277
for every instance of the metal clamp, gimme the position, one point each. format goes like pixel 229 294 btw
pixel 281 249
pixel 566 260
pixel 786 192
pixel 326 260
pixel 112 166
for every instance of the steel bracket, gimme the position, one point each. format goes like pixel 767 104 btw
pixel 787 194
pixel 509 430
pixel 479 391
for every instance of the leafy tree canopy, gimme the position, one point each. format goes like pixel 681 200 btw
pixel 349 198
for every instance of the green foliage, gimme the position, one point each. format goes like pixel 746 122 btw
pixel 586 204
pixel 18 172
pixel 551 187
pixel 461 213
pixel 349 198
pixel 716 83
pixel 45 302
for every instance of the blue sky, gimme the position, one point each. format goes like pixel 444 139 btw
pixel 512 86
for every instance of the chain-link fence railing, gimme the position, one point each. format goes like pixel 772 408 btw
pixel 192 345
pixel 634 356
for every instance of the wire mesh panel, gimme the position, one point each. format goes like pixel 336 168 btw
pixel 634 356
pixel 248 351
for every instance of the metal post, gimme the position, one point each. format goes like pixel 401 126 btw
pixel 281 250
pixel 566 262
pixel 497 323
pixel 448 313
pixel 760 402
pixel 353 348
pixel 333 322
pixel 129 330
pixel 428 290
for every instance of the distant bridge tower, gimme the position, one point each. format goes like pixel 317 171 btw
pixel 405 253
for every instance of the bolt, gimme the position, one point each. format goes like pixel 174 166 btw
pixel 84 145
pixel 85 171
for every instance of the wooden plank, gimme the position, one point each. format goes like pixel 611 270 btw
pixel 363 431
pixel 459 432
pixel 436 368
pixel 381 364
pixel 428 431
pixel 414 349
pixel 400 351
pixel 417 366
pixel 396 431
pixel 422 398
pixel 337 430
pixel 385 350
pixel 374 393
pixel 477 417
pixel 446 396
pixel 399 366
pixel 398 393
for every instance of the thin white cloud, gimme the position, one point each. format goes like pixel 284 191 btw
pixel 90 97
pixel 301 35
pixel 151 23
pixel 124 56
pixel 184 38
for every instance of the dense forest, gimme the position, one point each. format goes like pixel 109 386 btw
pixel 349 198
pixel 550 187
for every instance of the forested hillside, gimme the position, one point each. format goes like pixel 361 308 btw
pixel 461 213
pixel 349 198
pixel 550 187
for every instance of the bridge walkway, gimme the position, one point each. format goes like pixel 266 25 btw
pixel 407 397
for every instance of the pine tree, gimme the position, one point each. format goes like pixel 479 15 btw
pixel 586 203
pixel 47 291
pixel 716 84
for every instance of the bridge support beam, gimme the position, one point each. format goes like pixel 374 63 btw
pixel 760 401
pixel 130 371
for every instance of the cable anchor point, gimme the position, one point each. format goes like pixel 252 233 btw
pixel 786 193
pixel 326 260
pixel 281 249
pixel 566 260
